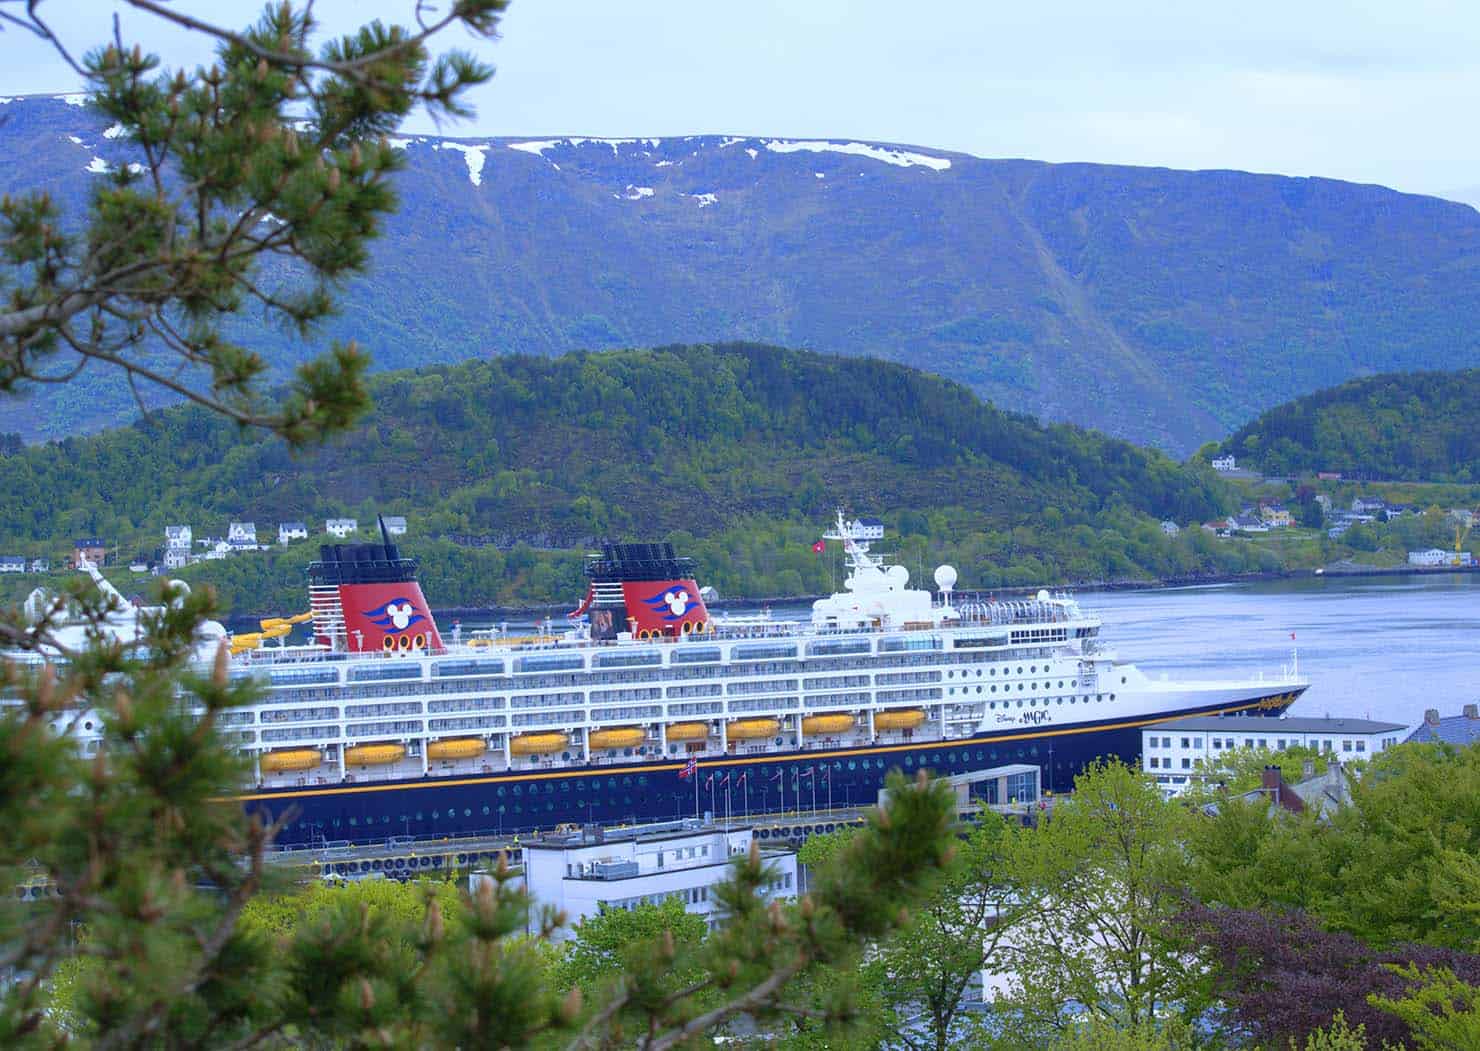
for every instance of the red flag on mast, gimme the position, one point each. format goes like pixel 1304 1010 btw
pixel 819 547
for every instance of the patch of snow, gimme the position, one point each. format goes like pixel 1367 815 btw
pixel 704 199
pixel 753 154
pixel 113 132
pixel 819 175
pixel 634 193
pixel 474 155
pixel 399 144
pixel 76 140
pixel 6 100
pixel 899 158
pixel 664 164
pixel 97 166
pixel 537 147
pixel 729 142
pixel 73 98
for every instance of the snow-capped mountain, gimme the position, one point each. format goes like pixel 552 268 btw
pixel 1159 305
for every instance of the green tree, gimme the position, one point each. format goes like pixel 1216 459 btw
pixel 603 945
pixel 1094 883
pixel 923 972
pixel 1442 1012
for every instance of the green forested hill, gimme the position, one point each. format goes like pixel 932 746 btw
pixel 738 452
pixel 1421 426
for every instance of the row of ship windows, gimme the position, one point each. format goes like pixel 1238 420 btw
pixel 312 685
pixel 550 700
pixel 598 714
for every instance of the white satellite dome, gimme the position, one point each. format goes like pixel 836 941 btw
pixel 898 576
pixel 945 577
pixel 1043 595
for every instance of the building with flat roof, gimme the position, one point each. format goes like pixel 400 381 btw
pixel 593 870
pixel 1459 729
pixel 1179 751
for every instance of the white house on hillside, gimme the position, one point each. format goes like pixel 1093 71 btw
pixel 341 527
pixel 12 564
pixel 242 534
pixel 177 538
pixel 290 531
pixel 395 525
pixel 1170 528
pixel 1224 463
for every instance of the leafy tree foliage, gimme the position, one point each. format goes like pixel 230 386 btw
pixel 1095 885
pixel 1281 977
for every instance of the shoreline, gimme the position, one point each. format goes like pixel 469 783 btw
pixel 556 613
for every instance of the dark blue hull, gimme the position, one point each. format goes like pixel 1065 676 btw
pixel 640 792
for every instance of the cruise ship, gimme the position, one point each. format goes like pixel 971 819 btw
pixel 646 707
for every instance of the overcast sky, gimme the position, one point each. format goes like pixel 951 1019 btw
pixel 1383 92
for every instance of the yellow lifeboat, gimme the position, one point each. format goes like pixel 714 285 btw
pixel 830 723
pixel 687 731
pixel 617 737
pixel 750 729
pixel 286 760
pixel 899 719
pixel 537 744
pixel 374 754
pixel 456 748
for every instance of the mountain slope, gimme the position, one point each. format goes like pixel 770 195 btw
pixel 1420 426
pixel 1158 305
pixel 740 452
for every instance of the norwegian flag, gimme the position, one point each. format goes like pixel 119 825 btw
pixel 778 776
pixel 689 769
pixel 709 781
pixel 725 781
pixel 809 772
pixel 741 779
pixel 819 547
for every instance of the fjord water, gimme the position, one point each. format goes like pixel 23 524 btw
pixel 1378 647
pixel 1384 647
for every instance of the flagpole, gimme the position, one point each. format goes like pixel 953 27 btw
pixel 696 792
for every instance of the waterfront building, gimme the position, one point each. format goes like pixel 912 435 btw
pixel 1180 752
pixel 1462 729
pixel 89 549
pixel 1434 556
pixel 595 869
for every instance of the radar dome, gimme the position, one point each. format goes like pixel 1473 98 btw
pixel 898 576
pixel 1043 595
pixel 945 577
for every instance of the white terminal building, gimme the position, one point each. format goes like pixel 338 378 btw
pixel 1179 751
pixel 594 870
